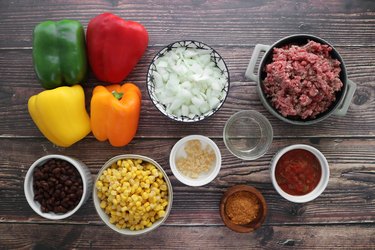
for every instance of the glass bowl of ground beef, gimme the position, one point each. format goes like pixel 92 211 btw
pixel 301 79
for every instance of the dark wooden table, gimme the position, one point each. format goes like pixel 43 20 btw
pixel 342 217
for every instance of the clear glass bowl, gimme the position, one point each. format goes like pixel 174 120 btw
pixel 248 134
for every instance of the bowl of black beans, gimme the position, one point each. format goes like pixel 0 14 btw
pixel 56 186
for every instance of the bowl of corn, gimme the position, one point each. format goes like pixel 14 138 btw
pixel 132 194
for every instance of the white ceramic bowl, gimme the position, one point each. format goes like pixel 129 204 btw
pixel 323 180
pixel 105 217
pixel 178 151
pixel 215 57
pixel 29 190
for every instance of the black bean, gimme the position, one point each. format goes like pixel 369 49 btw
pixel 46 195
pixel 38 175
pixel 63 177
pixel 57 186
pixel 72 196
pixel 57 193
pixel 65 205
pixel 44 185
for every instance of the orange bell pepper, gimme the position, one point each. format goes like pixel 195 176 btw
pixel 115 113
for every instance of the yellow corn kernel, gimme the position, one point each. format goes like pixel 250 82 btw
pixel 112 220
pixel 158 208
pixel 164 203
pixel 99 184
pixel 155 172
pixel 103 204
pixel 161 213
pixel 124 208
pixel 163 187
pixel 128 176
pixel 151 179
pixel 100 195
pixel 145 196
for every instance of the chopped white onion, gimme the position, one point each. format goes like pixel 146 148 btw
pixel 188 82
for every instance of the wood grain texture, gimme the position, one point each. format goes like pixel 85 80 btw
pixel 343 217
pixel 350 193
pixel 18 83
pixel 193 237
pixel 213 22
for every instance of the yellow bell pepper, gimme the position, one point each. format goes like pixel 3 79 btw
pixel 60 114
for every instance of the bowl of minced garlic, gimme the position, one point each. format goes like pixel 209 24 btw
pixel 243 208
pixel 195 160
pixel 132 194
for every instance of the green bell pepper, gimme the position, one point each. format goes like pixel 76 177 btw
pixel 59 53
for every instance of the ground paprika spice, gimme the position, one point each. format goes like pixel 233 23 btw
pixel 242 207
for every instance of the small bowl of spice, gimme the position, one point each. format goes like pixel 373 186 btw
pixel 56 186
pixel 195 160
pixel 299 173
pixel 243 208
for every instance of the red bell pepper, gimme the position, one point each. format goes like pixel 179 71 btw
pixel 114 46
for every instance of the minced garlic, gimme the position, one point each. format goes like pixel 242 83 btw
pixel 198 160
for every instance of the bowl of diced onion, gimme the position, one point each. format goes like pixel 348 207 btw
pixel 188 81
pixel 132 194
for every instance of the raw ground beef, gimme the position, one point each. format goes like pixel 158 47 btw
pixel 302 80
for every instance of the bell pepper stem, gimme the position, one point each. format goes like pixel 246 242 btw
pixel 117 95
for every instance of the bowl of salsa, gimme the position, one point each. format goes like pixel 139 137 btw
pixel 299 173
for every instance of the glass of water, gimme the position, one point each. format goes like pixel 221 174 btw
pixel 248 134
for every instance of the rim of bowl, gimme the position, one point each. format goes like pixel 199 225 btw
pixel 258 116
pixel 104 217
pixel 318 190
pixel 29 190
pixel 331 108
pixel 199 181
pixel 201 117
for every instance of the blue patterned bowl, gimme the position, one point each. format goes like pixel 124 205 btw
pixel 219 63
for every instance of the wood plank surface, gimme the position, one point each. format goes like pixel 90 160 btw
pixel 181 237
pixel 18 83
pixel 213 22
pixel 343 217
pixel 350 193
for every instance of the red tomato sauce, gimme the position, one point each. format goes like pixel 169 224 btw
pixel 298 172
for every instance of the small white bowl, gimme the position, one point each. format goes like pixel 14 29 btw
pixel 178 151
pixel 105 217
pixel 323 180
pixel 29 190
